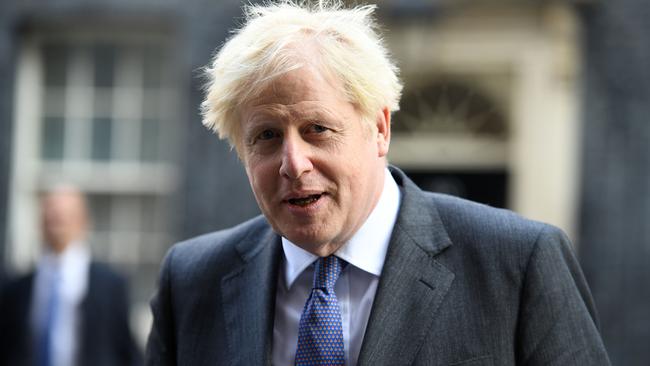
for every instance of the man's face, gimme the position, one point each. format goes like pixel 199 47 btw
pixel 316 168
pixel 64 218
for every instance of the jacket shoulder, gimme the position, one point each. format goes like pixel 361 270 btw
pixel 16 293
pixel 467 219
pixel 215 250
pixel 494 240
pixel 17 284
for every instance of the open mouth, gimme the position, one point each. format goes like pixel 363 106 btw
pixel 305 201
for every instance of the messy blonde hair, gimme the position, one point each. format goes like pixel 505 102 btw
pixel 268 45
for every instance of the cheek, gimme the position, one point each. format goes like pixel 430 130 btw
pixel 261 179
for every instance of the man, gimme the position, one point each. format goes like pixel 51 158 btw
pixel 70 311
pixel 351 263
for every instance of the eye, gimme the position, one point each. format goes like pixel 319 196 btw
pixel 318 128
pixel 266 135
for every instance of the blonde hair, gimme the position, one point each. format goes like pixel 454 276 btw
pixel 268 45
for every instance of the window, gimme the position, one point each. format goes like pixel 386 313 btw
pixel 450 107
pixel 106 126
pixel 450 122
pixel 457 136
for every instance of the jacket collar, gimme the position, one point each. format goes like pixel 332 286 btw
pixel 248 295
pixel 413 283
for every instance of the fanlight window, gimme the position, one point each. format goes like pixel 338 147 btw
pixel 452 108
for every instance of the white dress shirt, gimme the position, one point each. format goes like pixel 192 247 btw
pixel 71 268
pixel 355 288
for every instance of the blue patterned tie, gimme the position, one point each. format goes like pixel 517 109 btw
pixel 320 335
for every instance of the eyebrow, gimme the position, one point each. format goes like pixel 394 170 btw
pixel 276 114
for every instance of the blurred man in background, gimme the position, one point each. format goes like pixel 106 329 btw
pixel 70 310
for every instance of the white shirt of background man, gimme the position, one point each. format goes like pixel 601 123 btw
pixel 71 267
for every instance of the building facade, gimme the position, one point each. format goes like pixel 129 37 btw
pixel 537 106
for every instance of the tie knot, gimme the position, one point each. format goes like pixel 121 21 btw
pixel 327 271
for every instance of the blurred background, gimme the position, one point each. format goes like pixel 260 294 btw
pixel 539 106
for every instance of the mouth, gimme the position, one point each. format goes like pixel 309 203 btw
pixel 306 200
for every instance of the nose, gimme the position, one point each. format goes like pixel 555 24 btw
pixel 295 157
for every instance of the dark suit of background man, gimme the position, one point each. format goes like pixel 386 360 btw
pixel 70 310
pixel 351 263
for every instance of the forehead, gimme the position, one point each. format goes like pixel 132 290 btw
pixel 63 199
pixel 304 84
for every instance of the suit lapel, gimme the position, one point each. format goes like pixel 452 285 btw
pixel 412 283
pixel 249 299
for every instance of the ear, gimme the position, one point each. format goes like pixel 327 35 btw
pixel 383 131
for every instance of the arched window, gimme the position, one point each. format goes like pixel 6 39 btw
pixel 450 107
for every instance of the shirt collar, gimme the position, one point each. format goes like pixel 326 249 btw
pixel 74 255
pixel 366 249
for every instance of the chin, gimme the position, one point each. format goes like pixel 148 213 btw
pixel 306 239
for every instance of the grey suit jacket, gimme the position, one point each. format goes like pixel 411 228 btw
pixel 463 284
